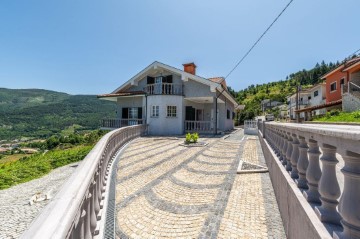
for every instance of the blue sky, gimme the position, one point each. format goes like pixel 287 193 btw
pixel 92 47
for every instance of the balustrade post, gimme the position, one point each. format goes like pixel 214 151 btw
pixel 92 201
pixel 281 145
pixel 288 151
pixel 313 173
pixel 302 164
pixel 349 206
pixel 328 187
pixel 278 143
pixel 87 218
pixel 284 149
pixel 294 156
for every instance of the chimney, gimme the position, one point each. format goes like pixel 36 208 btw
pixel 190 68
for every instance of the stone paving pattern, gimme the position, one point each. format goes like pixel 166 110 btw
pixel 16 214
pixel 165 190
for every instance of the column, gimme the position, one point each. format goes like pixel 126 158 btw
pixel 302 164
pixel 313 173
pixel 288 151
pixel 294 156
pixel 284 148
pixel 328 187
pixel 349 206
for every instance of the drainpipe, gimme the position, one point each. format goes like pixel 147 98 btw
pixel 215 116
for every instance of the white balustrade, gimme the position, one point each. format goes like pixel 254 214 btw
pixel 299 145
pixel 75 211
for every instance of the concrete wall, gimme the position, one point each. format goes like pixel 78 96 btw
pixel 350 103
pixel 164 125
pixel 195 89
pixel 299 219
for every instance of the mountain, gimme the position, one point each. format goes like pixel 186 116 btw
pixel 40 113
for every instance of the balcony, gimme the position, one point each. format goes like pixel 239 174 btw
pixel 164 89
pixel 119 123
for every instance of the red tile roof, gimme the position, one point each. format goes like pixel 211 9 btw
pixel 219 80
pixel 122 94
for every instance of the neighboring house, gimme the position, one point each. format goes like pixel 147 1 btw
pixel 173 101
pixel 314 104
pixel 269 104
pixel 304 98
pixel 283 111
pixel 345 77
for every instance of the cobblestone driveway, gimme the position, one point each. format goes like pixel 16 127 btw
pixel 165 190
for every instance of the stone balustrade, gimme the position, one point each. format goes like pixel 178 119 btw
pixel 299 147
pixel 75 212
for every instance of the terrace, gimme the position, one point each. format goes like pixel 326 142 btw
pixel 164 190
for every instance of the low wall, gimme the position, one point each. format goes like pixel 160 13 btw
pixel 299 219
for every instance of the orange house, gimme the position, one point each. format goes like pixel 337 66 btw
pixel 339 77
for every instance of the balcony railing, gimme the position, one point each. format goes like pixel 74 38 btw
pixel 164 89
pixel 76 210
pixel 119 123
pixel 299 147
pixel 198 126
pixel 351 88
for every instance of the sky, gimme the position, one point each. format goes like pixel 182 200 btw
pixel 92 47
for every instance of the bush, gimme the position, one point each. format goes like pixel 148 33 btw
pixel 191 138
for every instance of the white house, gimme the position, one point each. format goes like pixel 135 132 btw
pixel 311 102
pixel 173 101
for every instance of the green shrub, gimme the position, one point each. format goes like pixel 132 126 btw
pixel 191 138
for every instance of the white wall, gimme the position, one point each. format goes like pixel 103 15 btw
pixel 126 102
pixel 164 125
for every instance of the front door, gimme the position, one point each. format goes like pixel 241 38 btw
pixel 189 113
pixel 213 119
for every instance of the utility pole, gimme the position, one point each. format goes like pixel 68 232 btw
pixel 297 104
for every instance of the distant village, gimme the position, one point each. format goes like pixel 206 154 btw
pixel 339 90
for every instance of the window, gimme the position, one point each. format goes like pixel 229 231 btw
pixel 316 93
pixel 309 97
pixel 333 86
pixel 233 115
pixel 342 81
pixel 228 114
pixel 133 113
pixel 155 111
pixel 171 111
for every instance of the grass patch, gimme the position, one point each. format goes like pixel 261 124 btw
pixel 11 158
pixel 339 116
pixel 35 166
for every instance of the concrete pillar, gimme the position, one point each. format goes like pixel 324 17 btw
pixel 349 206
pixel 294 156
pixel 328 187
pixel 302 164
pixel 313 173
pixel 288 151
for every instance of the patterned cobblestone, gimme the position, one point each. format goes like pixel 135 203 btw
pixel 16 213
pixel 165 190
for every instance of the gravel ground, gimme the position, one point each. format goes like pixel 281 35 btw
pixel 16 213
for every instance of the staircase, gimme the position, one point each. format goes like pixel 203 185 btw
pixel 351 97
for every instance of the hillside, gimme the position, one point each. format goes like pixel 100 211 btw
pixel 40 113
pixel 252 96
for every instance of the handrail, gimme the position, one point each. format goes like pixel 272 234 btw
pixel 119 123
pixel 298 148
pixel 164 89
pixel 74 211
pixel 197 126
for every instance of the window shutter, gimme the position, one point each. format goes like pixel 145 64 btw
pixel 140 113
pixel 150 80
pixel 125 113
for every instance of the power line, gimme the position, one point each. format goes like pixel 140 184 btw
pixel 258 40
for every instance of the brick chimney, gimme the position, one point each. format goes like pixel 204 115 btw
pixel 190 68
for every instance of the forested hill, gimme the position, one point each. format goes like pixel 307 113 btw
pixel 40 113
pixel 252 96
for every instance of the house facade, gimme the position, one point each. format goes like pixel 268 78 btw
pixel 173 101
pixel 343 79
pixel 303 101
